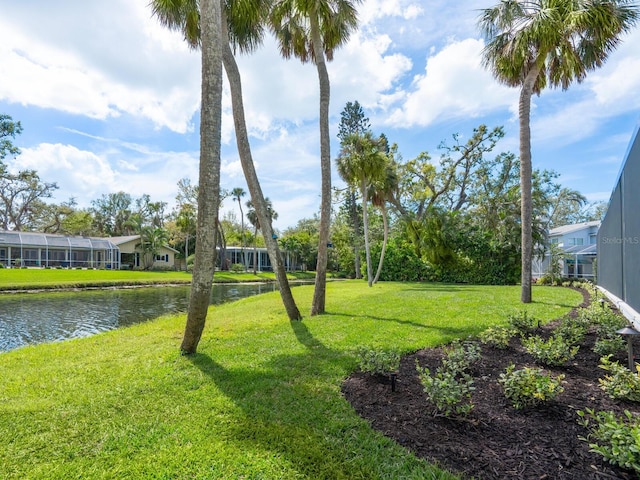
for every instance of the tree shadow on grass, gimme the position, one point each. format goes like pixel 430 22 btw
pixel 408 323
pixel 292 409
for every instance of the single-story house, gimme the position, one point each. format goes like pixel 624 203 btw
pixel 131 254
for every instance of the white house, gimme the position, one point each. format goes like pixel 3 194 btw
pixel 131 254
pixel 579 244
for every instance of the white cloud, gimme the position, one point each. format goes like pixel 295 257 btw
pixel 87 175
pixel 112 59
pixel 454 85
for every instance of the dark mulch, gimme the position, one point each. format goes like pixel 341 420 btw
pixel 494 441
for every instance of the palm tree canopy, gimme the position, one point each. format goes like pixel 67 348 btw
pixel 361 158
pixel 564 39
pixel 245 19
pixel 252 215
pixel 291 20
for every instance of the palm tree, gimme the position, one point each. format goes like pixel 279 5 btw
pixel 380 192
pixel 238 193
pixel 311 30
pixel 151 240
pixel 243 27
pixel 361 163
pixel 254 220
pixel 208 23
pixel 532 44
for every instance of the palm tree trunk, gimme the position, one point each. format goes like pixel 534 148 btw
pixel 264 219
pixel 255 251
pixel 385 238
pixel 225 61
pixel 319 293
pixel 365 225
pixel 526 201
pixel 209 174
pixel 354 221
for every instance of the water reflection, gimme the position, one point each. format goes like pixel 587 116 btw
pixel 49 317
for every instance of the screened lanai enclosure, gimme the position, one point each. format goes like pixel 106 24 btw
pixel 31 249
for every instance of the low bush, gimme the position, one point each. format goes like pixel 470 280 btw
pixel 616 439
pixel 449 393
pixel 460 356
pixel 572 330
pixel 529 387
pixel 523 323
pixel 620 382
pixel 497 337
pixel 376 361
pixel 553 352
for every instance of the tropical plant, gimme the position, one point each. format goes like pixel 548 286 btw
pixel 353 120
pixel 252 216
pixel 381 191
pixel 311 30
pixel 362 162
pixel 532 44
pixel 238 193
pixel 151 240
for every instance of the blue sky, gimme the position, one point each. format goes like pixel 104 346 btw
pixel 109 101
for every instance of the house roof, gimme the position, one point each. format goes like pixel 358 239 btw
pixel 129 238
pixel 124 239
pixel 37 239
pixel 564 229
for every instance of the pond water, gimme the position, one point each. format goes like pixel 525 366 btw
pixel 49 317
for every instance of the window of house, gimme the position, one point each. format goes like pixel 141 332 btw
pixel 576 241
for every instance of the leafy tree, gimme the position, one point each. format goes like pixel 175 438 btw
pixel 422 185
pixel 363 162
pixel 535 43
pixel 8 130
pixel 112 214
pixel 21 197
pixel 301 242
pixel 311 31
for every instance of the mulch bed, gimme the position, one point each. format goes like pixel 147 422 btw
pixel 495 441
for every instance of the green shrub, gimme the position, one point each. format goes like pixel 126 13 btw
pixel 553 352
pixel 377 361
pixel 237 268
pixel 620 383
pixel 529 387
pixel 523 323
pixel 449 393
pixel 497 337
pixel 616 439
pixel 572 330
pixel 460 355
pixel 609 346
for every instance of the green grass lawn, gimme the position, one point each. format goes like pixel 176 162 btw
pixel 261 399
pixel 39 278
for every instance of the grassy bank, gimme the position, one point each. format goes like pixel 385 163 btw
pixel 39 279
pixel 261 399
